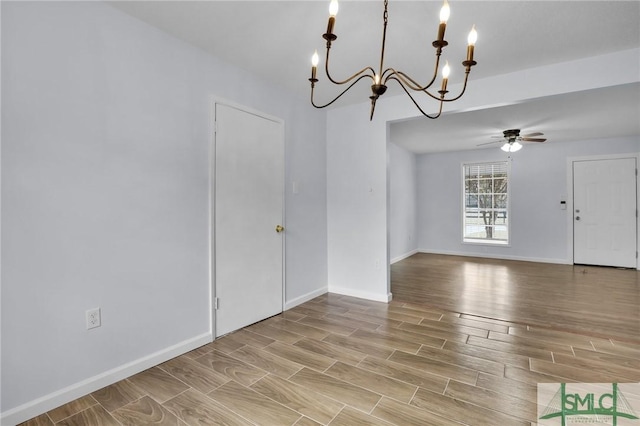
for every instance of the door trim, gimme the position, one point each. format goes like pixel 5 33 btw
pixel 569 197
pixel 215 100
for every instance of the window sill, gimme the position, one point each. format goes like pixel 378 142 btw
pixel 480 242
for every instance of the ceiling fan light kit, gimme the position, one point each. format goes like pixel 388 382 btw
pixel 380 79
pixel 511 146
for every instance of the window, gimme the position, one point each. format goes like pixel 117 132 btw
pixel 486 206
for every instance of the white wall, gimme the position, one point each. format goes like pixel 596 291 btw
pixel 105 196
pixel 538 181
pixel 356 152
pixel 403 203
pixel 357 204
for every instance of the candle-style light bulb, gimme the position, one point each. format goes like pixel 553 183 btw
pixel 445 11
pixel 314 64
pixel 446 70
pixel 333 11
pixel 376 79
pixel 333 8
pixel 473 37
pixel 444 16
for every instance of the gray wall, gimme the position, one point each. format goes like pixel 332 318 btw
pixel 105 194
pixel 538 181
pixel 403 203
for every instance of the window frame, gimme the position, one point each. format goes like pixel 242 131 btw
pixel 486 241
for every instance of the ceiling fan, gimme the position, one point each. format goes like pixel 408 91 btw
pixel 512 139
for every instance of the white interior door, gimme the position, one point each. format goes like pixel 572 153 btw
pixel 604 216
pixel 249 186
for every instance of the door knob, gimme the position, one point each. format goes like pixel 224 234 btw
pixel 279 228
pixel 577 217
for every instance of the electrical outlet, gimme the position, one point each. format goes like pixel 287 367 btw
pixel 93 318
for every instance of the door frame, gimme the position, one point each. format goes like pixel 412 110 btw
pixel 212 201
pixel 569 197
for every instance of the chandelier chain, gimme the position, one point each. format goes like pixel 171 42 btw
pixel 385 19
pixel 386 12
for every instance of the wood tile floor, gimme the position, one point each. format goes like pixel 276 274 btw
pixel 339 360
pixel 584 299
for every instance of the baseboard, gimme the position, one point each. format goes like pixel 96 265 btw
pixel 495 256
pixel 376 297
pixel 403 256
pixel 304 298
pixel 48 402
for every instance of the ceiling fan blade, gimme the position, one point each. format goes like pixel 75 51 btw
pixel 532 134
pixel 497 137
pixel 533 140
pixel 488 143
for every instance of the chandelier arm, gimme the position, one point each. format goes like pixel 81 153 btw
pixel 399 78
pixel 359 73
pixel 409 82
pixel 464 88
pixel 416 86
pixel 337 97
pixel 433 117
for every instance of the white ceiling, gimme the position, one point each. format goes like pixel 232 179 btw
pixel 593 114
pixel 275 39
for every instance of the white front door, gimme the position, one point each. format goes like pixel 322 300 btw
pixel 604 215
pixel 249 193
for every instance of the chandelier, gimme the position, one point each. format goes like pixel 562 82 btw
pixel 383 76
